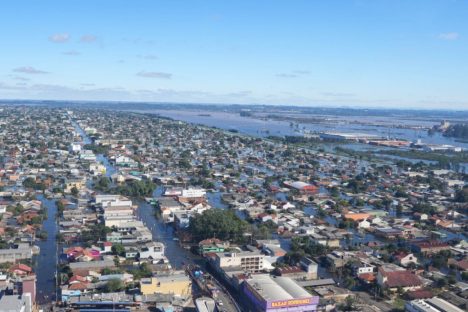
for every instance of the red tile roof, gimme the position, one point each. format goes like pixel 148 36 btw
pixel 21 267
pixel 462 264
pixel 401 279
pixel 431 244
pixel 367 277
pixel 78 286
pixel 420 294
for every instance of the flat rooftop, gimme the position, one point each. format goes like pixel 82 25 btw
pixel 277 288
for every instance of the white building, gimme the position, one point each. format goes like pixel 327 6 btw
pixel 431 305
pixel 75 147
pixel 154 251
pixel 87 155
pixel 252 262
pixel 97 168
pixel 193 193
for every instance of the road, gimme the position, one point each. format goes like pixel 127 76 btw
pixel 228 303
pixel 364 297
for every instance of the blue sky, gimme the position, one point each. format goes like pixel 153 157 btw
pixel 320 53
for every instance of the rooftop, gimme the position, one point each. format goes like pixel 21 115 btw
pixel 277 288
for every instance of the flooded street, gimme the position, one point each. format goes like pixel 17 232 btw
pixel 46 262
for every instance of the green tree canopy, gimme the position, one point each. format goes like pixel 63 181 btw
pixel 462 195
pixel 222 224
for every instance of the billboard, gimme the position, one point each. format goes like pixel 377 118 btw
pixel 278 304
pixel 293 302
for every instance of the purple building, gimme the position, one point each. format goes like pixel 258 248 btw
pixel 278 294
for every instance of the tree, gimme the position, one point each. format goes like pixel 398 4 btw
pixel 464 275
pixel 349 304
pixel 60 206
pixel 118 249
pixel 141 272
pixel 461 196
pixel 303 246
pixel 441 282
pixel 135 188
pixel 399 210
pixel 102 183
pixel 321 213
pixel 440 259
pixel 74 191
pixel 114 285
pixel 95 233
pixel 31 183
pixel 222 224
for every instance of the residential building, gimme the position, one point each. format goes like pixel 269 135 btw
pixel 177 284
pixel 252 262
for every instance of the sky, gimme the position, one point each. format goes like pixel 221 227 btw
pixel 354 53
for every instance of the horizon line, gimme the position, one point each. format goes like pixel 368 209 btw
pixel 331 106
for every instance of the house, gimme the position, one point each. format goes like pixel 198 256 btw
pixel 301 186
pixel 87 155
pixel 398 279
pixel 361 267
pixel 97 168
pixel 388 233
pixel 75 147
pixel 177 284
pixel 294 272
pixel 27 216
pixel 273 250
pixel 73 183
pixel 13 255
pixel 356 216
pixel 193 193
pixel 310 266
pixel 364 224
pixel 67 294
pixel 20 269
pixel 430 247
pixel 404 259
pixel 212 245
pixel 338 259
pixel 153 251
pixel 97 266
pixel 106 247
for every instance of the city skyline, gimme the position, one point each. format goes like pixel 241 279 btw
pixel 305 53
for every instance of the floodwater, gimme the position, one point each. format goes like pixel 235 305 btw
pixel 382 126
pixel 44 262
pixel 176 254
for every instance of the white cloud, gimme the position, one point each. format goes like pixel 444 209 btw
pixel 338 94
pixel 294 74
pixel 301 72
pixel 71 53
pixel 148 57
pixel 29 70
pixel 59 38
pixel 284 75
pixel 20 78
pixel 88 38
pixel 450 36
pixel 160 75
